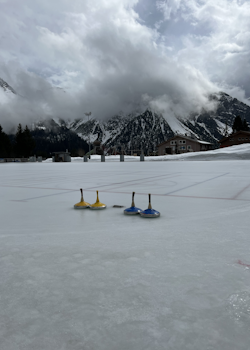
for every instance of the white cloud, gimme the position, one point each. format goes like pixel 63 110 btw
pixel 169 7
pixel 107 60
pixel 222 48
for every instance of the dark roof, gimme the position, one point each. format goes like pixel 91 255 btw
pixel 235 134
pixel 186 138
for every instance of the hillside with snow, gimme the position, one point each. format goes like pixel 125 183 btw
pixel 146 130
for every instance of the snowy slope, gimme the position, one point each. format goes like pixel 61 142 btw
pixel 131 132
pixel 6 87
pixel 239 152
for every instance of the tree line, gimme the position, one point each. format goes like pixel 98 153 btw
pixel 25 143
pixel 21 145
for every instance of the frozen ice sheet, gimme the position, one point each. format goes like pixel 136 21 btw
pixel 74 279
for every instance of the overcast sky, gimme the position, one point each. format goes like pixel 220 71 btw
pixel 67 57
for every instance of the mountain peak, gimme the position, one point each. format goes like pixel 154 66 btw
pixel 6 87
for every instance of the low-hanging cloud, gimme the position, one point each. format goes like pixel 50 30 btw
pixel 67 58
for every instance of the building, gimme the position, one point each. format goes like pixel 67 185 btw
pixel 61 157
pixel 237 138
pixel 182 144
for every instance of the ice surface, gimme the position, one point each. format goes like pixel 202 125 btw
pixel 81 279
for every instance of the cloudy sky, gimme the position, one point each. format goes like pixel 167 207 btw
pixel 68 57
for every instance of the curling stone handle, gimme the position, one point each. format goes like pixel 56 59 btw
pixel 133 203
pixel 149 201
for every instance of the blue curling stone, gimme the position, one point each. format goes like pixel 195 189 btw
pixel 150 213
pixel 132 211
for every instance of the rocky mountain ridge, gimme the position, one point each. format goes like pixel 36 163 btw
pixel 6 87
pixel 148 129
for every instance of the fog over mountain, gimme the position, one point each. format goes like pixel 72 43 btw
pixel 65 58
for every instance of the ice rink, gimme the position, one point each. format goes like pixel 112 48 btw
pixel 90 280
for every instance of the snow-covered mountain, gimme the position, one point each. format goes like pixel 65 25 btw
pixel 6 87
pixel 148 129
pixel 211 126
pixel 131 132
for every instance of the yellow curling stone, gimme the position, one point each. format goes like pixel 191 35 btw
pixel 97 205
pixel 82 204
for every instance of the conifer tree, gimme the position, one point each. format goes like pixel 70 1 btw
pixel 29 142
pixel 5 144
pixel 24 142
pixel 19 142
pixel 237 125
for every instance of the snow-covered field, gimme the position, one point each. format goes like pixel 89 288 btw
pixel 93 280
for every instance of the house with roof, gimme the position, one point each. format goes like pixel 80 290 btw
pixel 182 144
pixel 236 138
